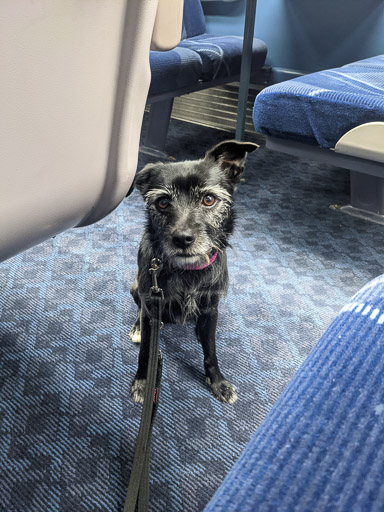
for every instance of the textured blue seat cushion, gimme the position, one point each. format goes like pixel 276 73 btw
pixel 322 445
pixel 174 69
pixel 321 107
pixel 221 55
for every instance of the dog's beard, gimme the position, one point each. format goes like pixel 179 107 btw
pixel 198 255
pixel 180 261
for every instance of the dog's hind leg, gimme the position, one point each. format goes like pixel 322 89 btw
pixel 206 334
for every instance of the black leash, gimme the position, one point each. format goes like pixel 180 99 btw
pixel 138 489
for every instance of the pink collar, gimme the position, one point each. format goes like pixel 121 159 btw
pixel 200 267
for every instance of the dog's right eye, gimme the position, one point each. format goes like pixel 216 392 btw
pixel 209 200
pixel 163 203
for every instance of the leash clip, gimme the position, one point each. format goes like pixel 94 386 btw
pixel 155 268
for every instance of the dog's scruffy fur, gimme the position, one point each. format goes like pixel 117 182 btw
pixel 189 219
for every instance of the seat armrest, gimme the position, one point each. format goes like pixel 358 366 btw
pixel 363 141
pixel 168 25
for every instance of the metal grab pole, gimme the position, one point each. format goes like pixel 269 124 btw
pixel 245 73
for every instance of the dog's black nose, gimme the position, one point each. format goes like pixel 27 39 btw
pixel 183 239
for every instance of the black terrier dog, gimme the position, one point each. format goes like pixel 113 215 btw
pixel 189 220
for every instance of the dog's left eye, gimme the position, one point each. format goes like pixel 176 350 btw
pixel 209 200
pixel 163 202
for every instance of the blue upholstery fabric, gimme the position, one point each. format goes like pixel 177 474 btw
pixel 319 108
pixel 322 446
pixel 221 55
pixel 174 69
pixel 193 19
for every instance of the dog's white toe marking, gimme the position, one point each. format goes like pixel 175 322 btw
pixel 232 399
pixel 224 391
pixel 138 390
pixel 135 334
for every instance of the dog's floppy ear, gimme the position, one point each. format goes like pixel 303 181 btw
pixel 231 154
pixel 143 178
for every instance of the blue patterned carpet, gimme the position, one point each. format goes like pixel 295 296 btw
pixel 68 424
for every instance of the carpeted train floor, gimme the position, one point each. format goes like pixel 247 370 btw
pixel 68 424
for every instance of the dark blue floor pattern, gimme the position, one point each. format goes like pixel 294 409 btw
pixel 68 424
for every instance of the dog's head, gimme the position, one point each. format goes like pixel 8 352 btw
pixel 190 203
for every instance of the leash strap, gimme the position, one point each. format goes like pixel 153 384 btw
pixel 138 489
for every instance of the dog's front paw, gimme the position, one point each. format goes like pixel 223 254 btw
pixel 138 390
pixel 223 391
pixel 135 334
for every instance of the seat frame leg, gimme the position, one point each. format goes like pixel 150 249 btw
pixel 157 129
pixel 367 197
